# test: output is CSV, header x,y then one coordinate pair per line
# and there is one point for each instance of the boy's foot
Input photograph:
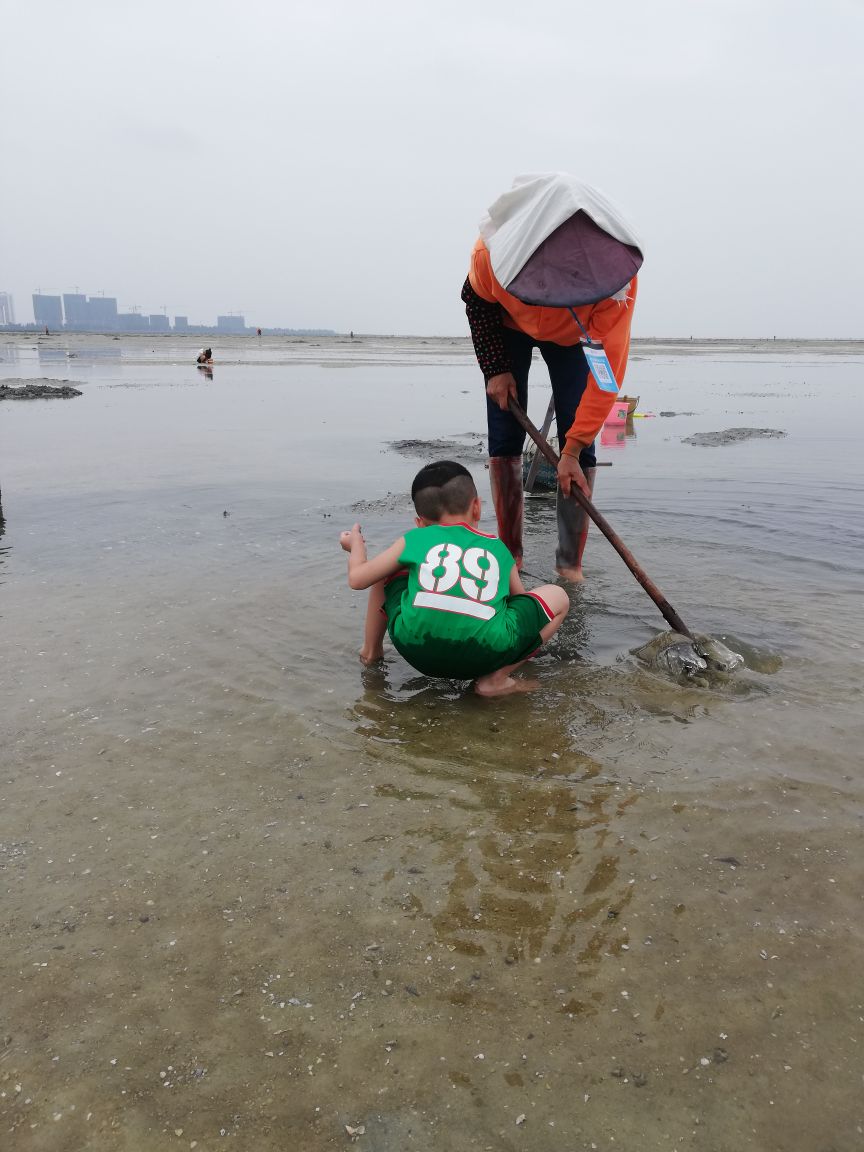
x,y
574,575
502,686
370,656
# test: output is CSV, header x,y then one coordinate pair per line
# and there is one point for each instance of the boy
x,y
450,596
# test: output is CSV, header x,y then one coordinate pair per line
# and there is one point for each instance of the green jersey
x,y
450,612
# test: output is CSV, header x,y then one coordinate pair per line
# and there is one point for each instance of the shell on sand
x,y
676,653
719,657
671,652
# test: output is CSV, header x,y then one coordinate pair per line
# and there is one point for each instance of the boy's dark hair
x,y
442,488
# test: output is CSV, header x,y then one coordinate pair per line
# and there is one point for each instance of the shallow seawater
x,y
254,893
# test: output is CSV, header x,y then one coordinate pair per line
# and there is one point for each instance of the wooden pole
x,y
666,610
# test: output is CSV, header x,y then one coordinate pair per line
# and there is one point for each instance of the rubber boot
x,y
505,477
572,531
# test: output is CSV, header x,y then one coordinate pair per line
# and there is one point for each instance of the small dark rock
x,y
37,392
731,436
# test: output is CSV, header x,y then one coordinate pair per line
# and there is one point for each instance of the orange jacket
x,y
608,322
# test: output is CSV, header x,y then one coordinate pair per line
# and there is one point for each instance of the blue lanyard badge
x,y
600,367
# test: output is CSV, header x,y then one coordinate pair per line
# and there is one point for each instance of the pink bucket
x,y
618,415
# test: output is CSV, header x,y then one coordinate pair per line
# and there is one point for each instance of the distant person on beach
x,y
505,331
450,596
205,356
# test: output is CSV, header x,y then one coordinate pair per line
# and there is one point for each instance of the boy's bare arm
x,y
517,588
362,572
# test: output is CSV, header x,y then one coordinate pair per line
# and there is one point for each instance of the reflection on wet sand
x,y
526,844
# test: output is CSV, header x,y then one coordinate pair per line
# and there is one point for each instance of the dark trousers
x,y
568,371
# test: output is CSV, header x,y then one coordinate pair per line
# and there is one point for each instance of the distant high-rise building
x,y
102,313
133,322
181,323
159,323
75,309
231,323
7,308
47,311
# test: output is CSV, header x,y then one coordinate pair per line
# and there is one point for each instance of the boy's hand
x,y
347,539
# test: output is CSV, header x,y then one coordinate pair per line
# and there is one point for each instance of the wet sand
x,y
254,894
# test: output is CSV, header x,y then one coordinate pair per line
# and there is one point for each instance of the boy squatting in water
x,y
450,596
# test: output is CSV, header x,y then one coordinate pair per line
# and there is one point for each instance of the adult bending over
x,y
552,239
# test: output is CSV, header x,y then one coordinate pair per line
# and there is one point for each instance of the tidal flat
x,y
255,896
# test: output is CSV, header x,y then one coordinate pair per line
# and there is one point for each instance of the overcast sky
x,y
327,163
